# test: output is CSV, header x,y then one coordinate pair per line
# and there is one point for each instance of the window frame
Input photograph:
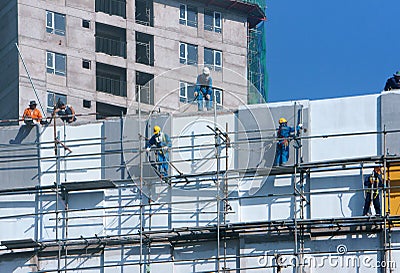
x,y
52,27
184,20
53,68
186,86
49,93
185,59
214,66
214,27
221,92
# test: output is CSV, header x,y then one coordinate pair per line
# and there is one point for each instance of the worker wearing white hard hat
x,y
203,90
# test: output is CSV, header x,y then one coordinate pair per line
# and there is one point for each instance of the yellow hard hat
x,y
157,129
377,169
282,120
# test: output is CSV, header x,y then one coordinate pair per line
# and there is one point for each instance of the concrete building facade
x,y
97,55
100,207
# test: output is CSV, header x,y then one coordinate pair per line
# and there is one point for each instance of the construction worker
x,y
161,143
393,82
203,90
282,149
66,112
32,115
373,182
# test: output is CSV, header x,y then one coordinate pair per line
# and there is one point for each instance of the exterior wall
x,y
79,44
96,155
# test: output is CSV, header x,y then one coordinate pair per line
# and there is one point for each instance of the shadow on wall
x,y
23,133
273,194
350,201
11,263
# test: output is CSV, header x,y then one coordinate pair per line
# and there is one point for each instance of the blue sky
x,y
322,49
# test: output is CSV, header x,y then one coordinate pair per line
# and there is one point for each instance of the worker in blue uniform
x,y
203,90
373,182
393,82
283,135
161,142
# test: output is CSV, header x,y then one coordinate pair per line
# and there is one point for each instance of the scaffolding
x,y
220,231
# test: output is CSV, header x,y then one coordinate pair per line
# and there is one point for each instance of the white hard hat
x,y
206,71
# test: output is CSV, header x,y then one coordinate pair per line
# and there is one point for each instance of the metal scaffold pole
x,y
295,190
141,206
218,199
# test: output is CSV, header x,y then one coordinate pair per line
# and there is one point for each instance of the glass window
x,y
186,92
212,21
213,59
56,63
218,96
53,98
188,54
55,23
188,15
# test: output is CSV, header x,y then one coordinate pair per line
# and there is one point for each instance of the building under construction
x,y
100,55
85,197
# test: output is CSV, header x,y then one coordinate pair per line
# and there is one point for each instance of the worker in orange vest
x,y
32,115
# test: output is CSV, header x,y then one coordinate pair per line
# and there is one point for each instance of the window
x,y
87,104
56,63
86,64
111,79
85,23
187,54
187,15
186,92
144,12
111,7
55,23
213,59
110,40
104,110
52,100
145,87
212,21
218,96
144,48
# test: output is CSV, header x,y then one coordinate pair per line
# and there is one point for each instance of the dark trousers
x,y
375,199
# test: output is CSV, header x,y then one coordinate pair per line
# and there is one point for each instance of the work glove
x,y
300,126
148,149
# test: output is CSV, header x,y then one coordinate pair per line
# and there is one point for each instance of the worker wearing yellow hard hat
x,y
284,133
160,143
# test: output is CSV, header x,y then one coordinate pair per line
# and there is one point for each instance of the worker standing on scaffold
x,y
161,143
373,182
282,149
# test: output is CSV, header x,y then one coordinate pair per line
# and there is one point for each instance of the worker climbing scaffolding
x,y
160,142
284,134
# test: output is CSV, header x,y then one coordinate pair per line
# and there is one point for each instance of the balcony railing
x,y
111,86
110,46
112,7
